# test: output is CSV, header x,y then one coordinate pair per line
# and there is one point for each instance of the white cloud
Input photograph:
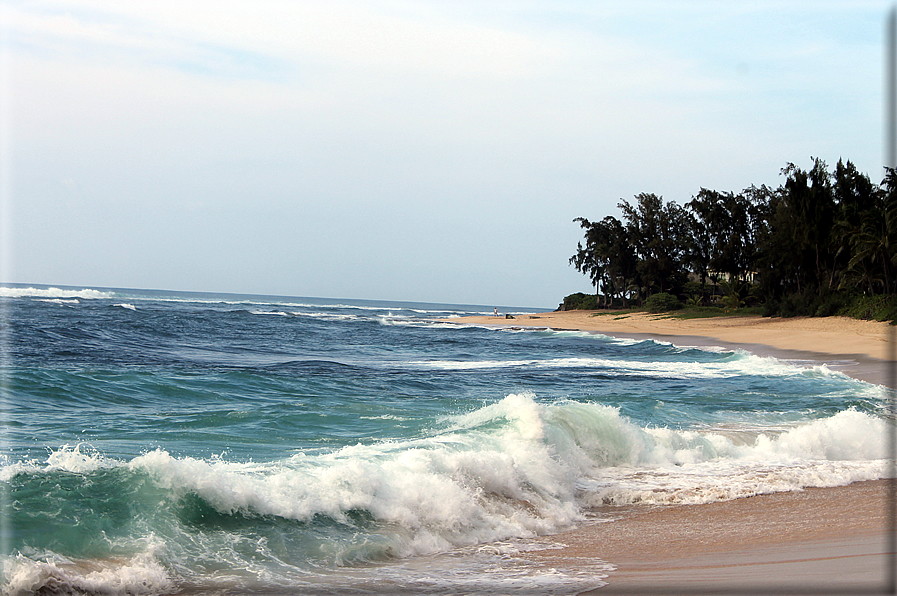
x,y
374,38
373,117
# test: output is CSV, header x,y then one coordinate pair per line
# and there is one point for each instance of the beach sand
x,y
839,540
817,541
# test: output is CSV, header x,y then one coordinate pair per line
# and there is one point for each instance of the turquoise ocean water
x,y
164,443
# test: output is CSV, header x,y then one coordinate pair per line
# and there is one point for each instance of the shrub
x,y
580,301
793,305
692,287
829,304
771,308
662,302
878,308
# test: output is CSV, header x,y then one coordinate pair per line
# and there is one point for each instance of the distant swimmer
x,y
496,311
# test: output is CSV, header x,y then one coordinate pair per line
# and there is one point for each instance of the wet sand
x,y
816,541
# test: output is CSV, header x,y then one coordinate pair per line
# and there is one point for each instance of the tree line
x,y
822,241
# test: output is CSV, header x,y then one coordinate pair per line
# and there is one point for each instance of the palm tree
x,y
874,244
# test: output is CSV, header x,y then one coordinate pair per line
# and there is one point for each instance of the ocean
x,y
181,443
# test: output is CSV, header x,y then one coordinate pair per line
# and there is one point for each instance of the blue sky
x,y
429,151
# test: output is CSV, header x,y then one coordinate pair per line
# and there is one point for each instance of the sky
x,y
401,150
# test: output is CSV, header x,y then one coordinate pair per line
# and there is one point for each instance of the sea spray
x,y
489,477
139,575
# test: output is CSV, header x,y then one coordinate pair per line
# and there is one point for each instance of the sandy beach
x,y
817,541
837,540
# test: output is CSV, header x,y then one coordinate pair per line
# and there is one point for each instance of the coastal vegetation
x,y
822,243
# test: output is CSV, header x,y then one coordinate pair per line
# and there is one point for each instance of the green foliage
x,y
692,288
660,234
695,293
793,305
706,312
694,300
804,248
725,234
737,293
580,301
608,258
662,302
821,304
828,304
876,308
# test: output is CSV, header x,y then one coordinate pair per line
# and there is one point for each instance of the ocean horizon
x,y
13,290
164,442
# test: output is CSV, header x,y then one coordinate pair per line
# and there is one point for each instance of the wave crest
x,y
141,574
7,292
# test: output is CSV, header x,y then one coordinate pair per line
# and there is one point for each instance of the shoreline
x,y
860,349
837,540
815,541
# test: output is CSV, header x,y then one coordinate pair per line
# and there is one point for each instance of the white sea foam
x,y
496,568
471,364
443,492
712,349
386,417
326,316
141,574
720,481
77,459
734,367
668,466
319,307
311,308
126,306
7,292
744,362
511,468
397,321
516,468
521,468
